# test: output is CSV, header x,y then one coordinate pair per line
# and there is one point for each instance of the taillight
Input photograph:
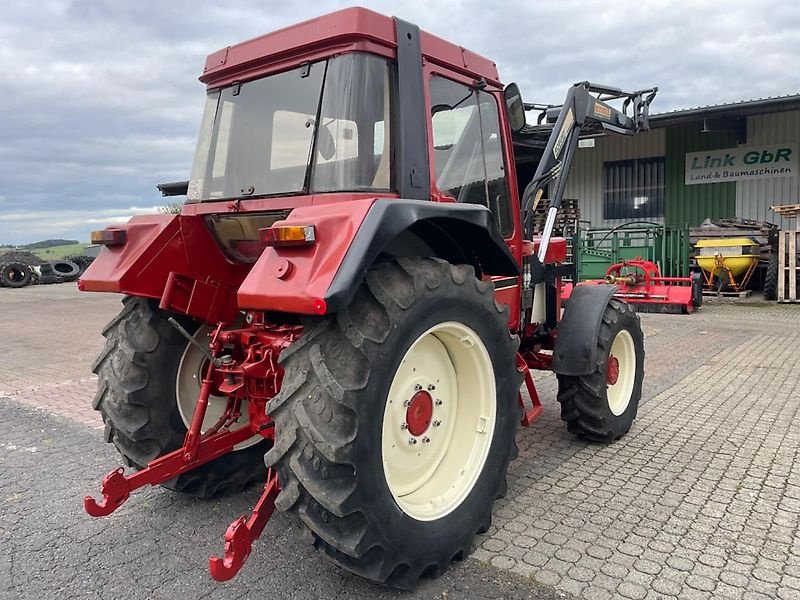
x,y
110,236
288,235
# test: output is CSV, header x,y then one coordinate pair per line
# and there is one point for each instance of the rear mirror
x,y
326,146
514,107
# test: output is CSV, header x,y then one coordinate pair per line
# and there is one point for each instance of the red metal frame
x,y
243,532
528,360
251,371
348,30
116,487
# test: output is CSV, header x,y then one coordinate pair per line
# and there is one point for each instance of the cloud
x,y
101,100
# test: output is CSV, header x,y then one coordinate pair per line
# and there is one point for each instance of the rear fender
x,y
153,247
575,350
171,258
352,235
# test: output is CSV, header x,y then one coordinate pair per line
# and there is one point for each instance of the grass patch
x,y
59,252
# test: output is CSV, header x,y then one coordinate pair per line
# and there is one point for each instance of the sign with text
x,y
746,162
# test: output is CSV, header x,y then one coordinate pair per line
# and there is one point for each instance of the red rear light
x,y
110,236
288,235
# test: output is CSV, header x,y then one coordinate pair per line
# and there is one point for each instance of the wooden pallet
x,y
568,214
788,266
787,211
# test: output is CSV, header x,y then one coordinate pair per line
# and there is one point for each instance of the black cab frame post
x,y
411,132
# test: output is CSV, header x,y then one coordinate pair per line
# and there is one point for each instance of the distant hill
x,y
48,244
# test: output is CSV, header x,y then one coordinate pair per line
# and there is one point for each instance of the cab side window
x,y
468,155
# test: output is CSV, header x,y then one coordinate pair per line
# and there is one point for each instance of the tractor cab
x,y
353,104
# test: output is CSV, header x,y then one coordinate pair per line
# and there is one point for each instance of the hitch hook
x,y
115,489
243,532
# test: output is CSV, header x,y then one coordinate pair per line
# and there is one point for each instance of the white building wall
x,y
753,198
586,177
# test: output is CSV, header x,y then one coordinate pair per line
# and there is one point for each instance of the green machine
x,y
594,250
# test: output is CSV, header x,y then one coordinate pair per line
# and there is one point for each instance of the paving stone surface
x,y
702,497
51,334
700,500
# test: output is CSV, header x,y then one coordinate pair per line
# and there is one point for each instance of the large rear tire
x,y
396,421
601,406
147,375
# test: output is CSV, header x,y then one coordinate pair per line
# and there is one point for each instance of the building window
x,y
634,189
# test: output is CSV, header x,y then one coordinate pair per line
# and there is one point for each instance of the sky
x,y
101,101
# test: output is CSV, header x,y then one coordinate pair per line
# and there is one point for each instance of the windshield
x,y
317,128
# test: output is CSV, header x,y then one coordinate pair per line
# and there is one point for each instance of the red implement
x,y
640,284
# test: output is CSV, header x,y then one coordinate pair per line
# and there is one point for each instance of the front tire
x,y
393,483
601,406
142,380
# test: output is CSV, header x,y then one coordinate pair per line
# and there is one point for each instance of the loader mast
x,y
585,110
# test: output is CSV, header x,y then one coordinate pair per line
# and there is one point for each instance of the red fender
x,y
296,278
172,258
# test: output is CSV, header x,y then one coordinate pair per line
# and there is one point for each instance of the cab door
x,y
469,164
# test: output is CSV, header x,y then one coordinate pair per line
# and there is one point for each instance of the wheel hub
x,y
420,413
621,372
438,421
613,370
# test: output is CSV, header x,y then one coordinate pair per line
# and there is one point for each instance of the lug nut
x,y
404,426
438,402
407,403
431,387
417,388
437,423
412,441
426,440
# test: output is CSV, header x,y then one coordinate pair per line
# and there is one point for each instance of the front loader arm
x,y
585,109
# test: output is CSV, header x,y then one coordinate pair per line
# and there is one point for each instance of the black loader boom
x,y
585,111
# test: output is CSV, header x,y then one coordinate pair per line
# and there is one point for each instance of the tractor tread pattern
x,y
316,421
584,406
771,279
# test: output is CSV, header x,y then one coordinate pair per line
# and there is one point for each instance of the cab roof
x,y
348,30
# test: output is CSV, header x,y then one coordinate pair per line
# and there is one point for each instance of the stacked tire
x,y
60,271
66,269
15,275
82,261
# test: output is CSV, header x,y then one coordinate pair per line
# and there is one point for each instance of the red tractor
x,y
353,294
